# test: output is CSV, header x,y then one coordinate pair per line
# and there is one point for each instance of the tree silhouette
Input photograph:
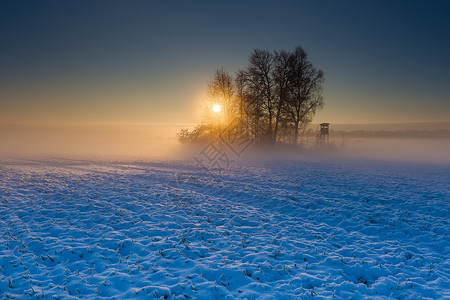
x,y
306,90
271,98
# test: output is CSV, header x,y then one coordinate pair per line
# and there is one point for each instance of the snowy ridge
x,y
274,230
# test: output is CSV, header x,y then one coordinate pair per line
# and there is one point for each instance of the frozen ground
x,y
280,230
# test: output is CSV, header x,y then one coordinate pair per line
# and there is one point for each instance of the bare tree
x,y
261,86
282,82
221,91
306,93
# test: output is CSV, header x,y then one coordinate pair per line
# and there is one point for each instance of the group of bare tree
x,y
272,98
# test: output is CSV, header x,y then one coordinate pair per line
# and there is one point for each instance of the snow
x,y
295,229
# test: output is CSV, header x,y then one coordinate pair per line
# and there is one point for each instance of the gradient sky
x,y
149,62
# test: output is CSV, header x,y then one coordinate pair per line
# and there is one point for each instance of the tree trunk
x,y
296,133
297,122
277,120
270,126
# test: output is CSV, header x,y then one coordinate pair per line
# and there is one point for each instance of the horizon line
x,y
195,123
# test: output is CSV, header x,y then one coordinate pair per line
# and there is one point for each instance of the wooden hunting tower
x,y
323,136
324,128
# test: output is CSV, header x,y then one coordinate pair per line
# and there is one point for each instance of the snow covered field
x,y
273,230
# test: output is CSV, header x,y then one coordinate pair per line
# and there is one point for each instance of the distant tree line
x,y
272,99
436,133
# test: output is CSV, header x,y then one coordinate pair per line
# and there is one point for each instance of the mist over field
x,y
159,141
90,141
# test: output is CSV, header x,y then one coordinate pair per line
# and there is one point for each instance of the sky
x,y
131,62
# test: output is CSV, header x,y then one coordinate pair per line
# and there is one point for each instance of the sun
x,y
216,107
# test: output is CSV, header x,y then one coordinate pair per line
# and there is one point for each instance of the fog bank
x,y
159,141
90,141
